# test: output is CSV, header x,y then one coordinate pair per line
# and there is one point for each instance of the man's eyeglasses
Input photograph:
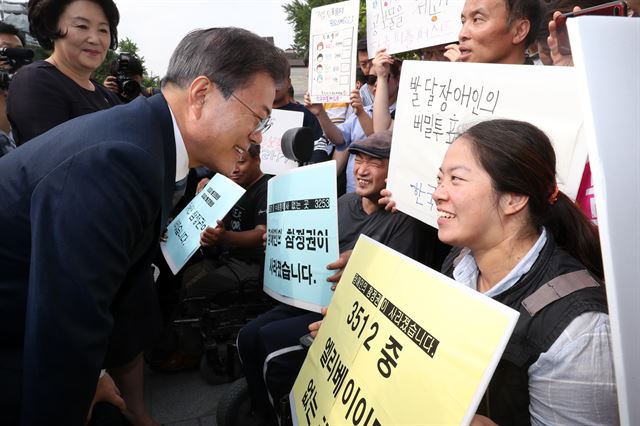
x,y
264,124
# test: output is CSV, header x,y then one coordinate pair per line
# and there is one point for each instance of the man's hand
x,y
452,52
338,266
212,236
316,109
106,391
381,63
557,57
386,201
356,101
203,182
479,420
314,327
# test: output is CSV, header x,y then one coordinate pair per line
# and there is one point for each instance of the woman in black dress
x,y
47,93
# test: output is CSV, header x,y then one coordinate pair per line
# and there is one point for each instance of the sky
x,y
157,26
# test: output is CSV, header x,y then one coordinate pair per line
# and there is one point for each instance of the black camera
x,y
128,87
12,58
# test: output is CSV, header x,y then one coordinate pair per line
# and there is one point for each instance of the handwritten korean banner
x,y
209,206
272,159
332,51
402,25
438,99
302,235
401,344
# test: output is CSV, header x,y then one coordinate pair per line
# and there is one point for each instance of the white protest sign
x,y
607,63
273,161
210,205
437,99
332,51
402,25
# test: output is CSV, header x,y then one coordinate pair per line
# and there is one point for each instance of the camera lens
x,y
131,88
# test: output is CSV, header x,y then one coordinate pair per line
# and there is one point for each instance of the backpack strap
x,y
558,288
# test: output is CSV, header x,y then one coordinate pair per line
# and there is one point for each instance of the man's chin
x,y
361,191
368,194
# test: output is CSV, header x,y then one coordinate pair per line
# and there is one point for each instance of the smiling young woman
x,y
518,236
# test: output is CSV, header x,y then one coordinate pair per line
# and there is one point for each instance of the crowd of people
x,y
91,173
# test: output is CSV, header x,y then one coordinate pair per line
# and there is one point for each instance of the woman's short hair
x,y
44,16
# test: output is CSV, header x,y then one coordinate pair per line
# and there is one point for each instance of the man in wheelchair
x,y
229,265
269,346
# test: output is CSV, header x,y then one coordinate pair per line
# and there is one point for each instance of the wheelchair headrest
x,y
297,144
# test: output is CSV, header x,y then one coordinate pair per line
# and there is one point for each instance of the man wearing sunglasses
x,y
366,90
82,209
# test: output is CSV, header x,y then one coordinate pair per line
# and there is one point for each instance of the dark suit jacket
x,y
81,210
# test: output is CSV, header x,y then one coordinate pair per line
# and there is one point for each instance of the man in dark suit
x,y
81,210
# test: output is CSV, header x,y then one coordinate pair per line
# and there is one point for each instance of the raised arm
x,y
381,66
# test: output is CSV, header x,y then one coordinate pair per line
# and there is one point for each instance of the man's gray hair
x,y
229,57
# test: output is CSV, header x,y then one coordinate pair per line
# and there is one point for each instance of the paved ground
x,y
182,399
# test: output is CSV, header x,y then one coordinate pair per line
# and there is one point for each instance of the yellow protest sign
x,y
401,345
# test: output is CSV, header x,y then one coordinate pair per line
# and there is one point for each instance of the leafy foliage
x,y
299,15
126,45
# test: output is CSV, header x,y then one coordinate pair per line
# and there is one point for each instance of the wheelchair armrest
x,y
306,340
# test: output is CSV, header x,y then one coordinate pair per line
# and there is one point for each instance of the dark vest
x,y
553,293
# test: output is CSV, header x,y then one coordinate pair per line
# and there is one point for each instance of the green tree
x,y
299,15
103,70
126,45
